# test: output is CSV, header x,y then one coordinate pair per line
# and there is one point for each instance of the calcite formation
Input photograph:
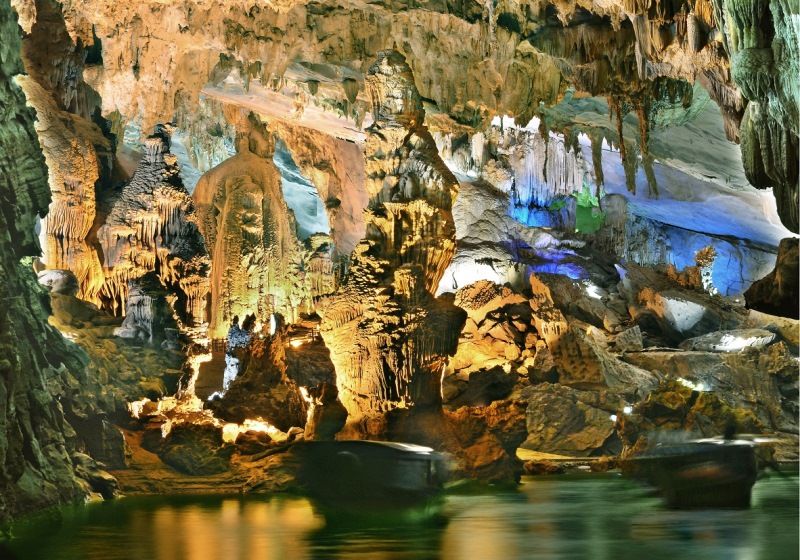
x,y
778,292
389,338
260,266
484,60
77,154
150,227
263,389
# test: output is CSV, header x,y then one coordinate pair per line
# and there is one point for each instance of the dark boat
x,y
700,473
371,476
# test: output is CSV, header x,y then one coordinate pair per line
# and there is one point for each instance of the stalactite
x,y
643,112
693,38
597,161
652,185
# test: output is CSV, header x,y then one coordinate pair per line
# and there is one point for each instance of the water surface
x,y
577,517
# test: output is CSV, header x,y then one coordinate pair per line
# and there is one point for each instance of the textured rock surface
x,y
259,264
751,379
571,422
76,153
573,193
46,476
150,227
389,338
778,293
40,372
263,390
482,62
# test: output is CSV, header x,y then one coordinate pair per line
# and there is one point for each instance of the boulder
x,y
673,410
728,341
99,480
483,297
262,388
580,299
629,340
582,357
660,305
777,292
762,380
196,449
570,422
486,440
59,282
328,414
485,387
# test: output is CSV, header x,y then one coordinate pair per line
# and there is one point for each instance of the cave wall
x,y
35,440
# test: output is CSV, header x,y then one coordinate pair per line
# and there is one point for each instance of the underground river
x,y
564,517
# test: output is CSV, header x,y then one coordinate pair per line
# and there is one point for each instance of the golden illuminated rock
x,y
250,233
150,227
77,154
389,338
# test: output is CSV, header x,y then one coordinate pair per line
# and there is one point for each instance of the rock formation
x,y
577,291
150,227
44,475
777,293
259,265
45,382
517,56
262,390
77,154
389,338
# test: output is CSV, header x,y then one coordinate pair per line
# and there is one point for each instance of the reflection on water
x,y
596,517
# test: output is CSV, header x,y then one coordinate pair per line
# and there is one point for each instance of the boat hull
x,y
699,475
368,476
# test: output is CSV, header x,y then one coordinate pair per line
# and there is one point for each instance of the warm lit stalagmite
x,y
250,234
77,154
389,338
150,227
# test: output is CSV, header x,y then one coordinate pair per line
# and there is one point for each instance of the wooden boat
x,y
700,473
371,476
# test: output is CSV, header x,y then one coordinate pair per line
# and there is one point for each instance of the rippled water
x,y
587,516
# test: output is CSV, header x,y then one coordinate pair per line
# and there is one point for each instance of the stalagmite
x,y
389,338
150,227
258,263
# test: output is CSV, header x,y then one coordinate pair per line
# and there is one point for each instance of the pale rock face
x,y
59,281
336,168
678,313
729,341
77,154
